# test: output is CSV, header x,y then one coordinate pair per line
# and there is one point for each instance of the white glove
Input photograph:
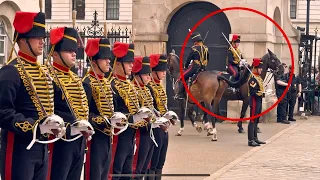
x,y
117,120
144,114
53,122
243,62
82,126
172,117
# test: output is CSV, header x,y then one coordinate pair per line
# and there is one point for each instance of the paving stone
x,y
293,155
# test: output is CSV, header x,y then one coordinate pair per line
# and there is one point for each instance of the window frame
x,y
5,45
82,14
114,12
293,9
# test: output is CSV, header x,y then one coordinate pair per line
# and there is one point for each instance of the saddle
x,y
225,75
194,78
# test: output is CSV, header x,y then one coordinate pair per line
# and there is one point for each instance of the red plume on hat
x,y
137,64
256,62
92,47
120,49
154,60
56,35
23,21
235,37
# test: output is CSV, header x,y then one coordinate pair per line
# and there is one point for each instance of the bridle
x,y
272,72
172,77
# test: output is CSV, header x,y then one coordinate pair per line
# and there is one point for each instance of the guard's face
x,y
259,70
128,67
146,78
235,44
36,44
161,74
104,65
69,57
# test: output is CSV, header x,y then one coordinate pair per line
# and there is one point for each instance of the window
x,y
3,44
293,9
79,5
48,4
113,9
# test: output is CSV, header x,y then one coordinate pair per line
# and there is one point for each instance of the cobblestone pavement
x,y
195,153
292,154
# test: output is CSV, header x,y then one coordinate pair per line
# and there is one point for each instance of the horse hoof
x,y
178,134
199,129
241,130
214,138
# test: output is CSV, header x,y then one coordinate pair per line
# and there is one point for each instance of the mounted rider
x,y
197,61
233,61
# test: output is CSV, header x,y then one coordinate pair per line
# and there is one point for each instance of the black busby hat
x,y
123,52
64,39
141,65
29,25
196,37
98,48
235,38
158,62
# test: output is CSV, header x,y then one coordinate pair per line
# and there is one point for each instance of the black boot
x,y
259,142
158,171
180,93
253,143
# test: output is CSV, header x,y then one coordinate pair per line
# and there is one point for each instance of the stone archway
x,y
277,18
277,33
7,14
211,31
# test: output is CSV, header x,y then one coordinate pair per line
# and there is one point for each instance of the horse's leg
x,y
192,114
216,101
181,116
245,105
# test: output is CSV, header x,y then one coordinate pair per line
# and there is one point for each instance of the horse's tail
x,y
231,83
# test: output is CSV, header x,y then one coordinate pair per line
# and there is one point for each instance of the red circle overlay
x,y
185,43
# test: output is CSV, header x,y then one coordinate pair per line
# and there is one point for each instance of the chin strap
x,y
30,48
62,60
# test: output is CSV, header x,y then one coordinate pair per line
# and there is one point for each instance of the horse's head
x,y
270,60
173,65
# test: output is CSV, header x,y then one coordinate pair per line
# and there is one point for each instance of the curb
x,y
251,152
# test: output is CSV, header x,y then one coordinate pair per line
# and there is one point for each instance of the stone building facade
x,y
7,12
168,21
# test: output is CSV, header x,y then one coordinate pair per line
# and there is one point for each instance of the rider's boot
x,y
180,93
232,78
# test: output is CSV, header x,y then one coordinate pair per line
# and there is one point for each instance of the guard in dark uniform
x,y
98,156
233,60
158,64
71,103
127,102
141,71
26,103
256,92
292,94
196,61
280,85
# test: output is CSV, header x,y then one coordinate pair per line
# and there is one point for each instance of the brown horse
x,y
211,86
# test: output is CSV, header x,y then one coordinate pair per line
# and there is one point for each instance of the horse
x,y
208,87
